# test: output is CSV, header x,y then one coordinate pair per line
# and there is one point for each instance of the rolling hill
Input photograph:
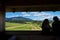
x,y
18,19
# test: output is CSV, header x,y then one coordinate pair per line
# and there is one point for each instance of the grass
x,y
19,26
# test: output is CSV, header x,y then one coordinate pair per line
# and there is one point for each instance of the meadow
x,y
24,26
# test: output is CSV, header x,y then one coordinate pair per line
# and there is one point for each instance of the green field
x,y
24,26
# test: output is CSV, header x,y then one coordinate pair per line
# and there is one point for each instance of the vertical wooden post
x,y
2,18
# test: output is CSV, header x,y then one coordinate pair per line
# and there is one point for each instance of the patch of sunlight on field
x,y
19,26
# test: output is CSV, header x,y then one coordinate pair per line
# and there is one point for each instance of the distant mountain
x,y
8,19
18,19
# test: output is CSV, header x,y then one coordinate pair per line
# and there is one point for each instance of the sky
x,y
34,15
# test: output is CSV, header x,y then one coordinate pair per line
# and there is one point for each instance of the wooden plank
x,y
31,2
34,8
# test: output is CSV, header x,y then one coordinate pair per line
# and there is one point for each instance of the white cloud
x,y
12,16
15,16
41,15
35,13
47,15
39,18
59,16
25,14
38,14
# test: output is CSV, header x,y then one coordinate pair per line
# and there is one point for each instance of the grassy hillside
x,y
20,26
34,25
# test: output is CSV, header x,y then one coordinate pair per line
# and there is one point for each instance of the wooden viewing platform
x,y
27,5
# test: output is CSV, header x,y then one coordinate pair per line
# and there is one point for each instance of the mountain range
x,y
18,19
21,19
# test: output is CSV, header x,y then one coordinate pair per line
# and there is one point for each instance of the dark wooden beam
x,y
31,2
34,8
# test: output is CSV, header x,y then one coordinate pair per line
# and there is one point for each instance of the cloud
x,y
34,15
38,19
25,14
41,15
59,16
38,15
14,15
